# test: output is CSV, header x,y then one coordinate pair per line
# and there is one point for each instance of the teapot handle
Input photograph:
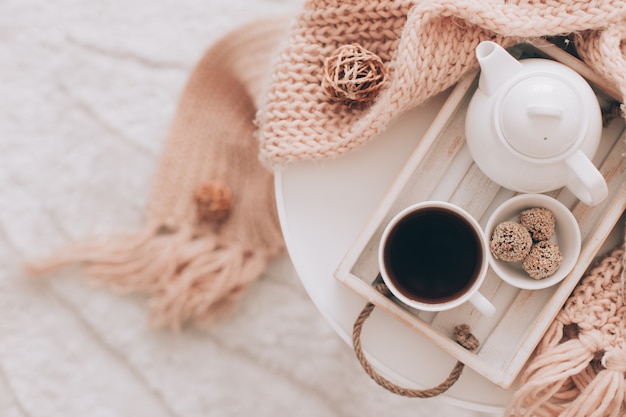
x,y
588,184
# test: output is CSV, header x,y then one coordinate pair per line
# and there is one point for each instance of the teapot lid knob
x,y
541,116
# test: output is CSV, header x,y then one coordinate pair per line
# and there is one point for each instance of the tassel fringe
x,y
603,397
187,278
570,380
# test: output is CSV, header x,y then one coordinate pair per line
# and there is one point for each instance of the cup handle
x,y
588,184
482,304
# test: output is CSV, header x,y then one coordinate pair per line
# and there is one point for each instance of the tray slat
x,y
440,168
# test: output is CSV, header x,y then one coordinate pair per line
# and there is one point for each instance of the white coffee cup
x,y
433,257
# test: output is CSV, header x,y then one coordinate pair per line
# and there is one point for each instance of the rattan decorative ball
x,y
539,221
510,242
353,74
214,201
543,260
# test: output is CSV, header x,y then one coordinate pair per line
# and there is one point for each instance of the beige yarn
x,y
579,368
427,46
194,262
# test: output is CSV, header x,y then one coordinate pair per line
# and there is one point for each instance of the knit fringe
x,y
603,397
547,376
566,380
187,277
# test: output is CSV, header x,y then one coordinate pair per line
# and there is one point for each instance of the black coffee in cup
x,y
433,255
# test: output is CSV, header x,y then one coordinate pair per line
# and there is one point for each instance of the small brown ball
x,y
539,221
510,242
214,201
543,260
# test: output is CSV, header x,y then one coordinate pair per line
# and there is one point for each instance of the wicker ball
x,y
543,260
510,242
539,221
353,74
214,201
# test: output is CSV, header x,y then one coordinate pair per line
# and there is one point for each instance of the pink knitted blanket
x,y
425,46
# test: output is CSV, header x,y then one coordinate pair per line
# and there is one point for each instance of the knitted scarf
x,y
426,46
210,222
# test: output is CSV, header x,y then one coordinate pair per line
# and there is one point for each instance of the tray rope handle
x,y
462,335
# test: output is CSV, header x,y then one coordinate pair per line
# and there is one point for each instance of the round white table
x,y
322,206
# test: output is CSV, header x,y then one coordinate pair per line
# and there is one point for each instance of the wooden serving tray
x,y
441,168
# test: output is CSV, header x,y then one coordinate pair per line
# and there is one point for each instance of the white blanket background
x,y
87,91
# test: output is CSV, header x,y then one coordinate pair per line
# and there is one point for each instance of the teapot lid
x,y
541,116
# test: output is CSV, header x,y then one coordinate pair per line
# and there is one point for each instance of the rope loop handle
x,y
462,335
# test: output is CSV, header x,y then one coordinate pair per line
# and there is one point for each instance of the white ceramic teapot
x,y
534,125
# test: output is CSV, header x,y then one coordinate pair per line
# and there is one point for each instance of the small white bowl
x,y
566,235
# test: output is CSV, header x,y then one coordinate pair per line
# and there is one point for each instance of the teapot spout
x,y
496,66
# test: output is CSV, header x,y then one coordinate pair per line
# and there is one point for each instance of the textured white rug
x,y
87,91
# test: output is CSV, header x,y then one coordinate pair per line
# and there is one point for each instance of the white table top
x,y
323,205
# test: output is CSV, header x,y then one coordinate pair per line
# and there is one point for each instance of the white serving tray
x,y
441,168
